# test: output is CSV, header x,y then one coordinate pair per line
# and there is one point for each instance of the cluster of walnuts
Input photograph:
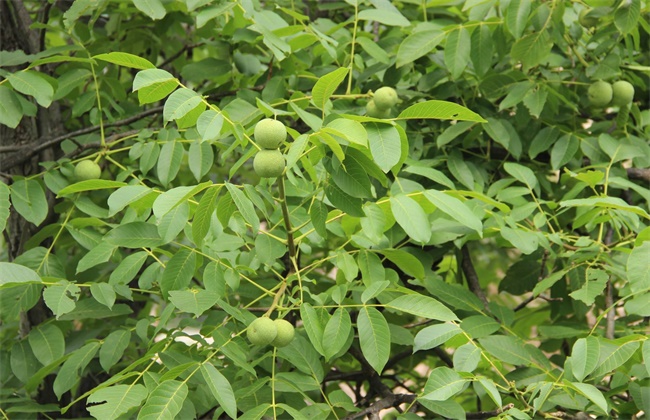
x,y
269,135
602,94
264,330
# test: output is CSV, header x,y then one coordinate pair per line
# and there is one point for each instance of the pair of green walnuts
x,y
602,94
382,101
263,331
269,162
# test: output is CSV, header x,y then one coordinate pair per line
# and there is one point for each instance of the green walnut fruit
x,y
622,93
587,19
285,335
270,134
374,112
87,169
600,93
385,98
262,331
269,163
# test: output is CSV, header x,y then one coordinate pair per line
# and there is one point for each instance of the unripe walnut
x,y
600,93
269,163
262,331
374,112
270,134
385,98
285,335
622,93
87,169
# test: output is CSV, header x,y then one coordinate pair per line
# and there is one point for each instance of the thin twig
x,y
488,414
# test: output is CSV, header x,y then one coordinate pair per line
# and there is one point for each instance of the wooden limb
x,y
488,414
472,277
392,400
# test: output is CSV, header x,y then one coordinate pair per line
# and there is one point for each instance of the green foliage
x,y
480,245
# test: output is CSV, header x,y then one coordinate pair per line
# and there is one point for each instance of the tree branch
x,y
471,276
26,151
392,400
488,414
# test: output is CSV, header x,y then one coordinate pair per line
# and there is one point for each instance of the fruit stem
x,y
287,221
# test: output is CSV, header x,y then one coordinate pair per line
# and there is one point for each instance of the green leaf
x,y
269,249
517,17
318,216
638,269
527,242
443,383
613,353
508,349
180,103
491,390
220,388
417,45
456,209
385,144
152,8
405,261
423,306
592,393
151,77
374,337
113,348
605,202
31,83
245,206
128,268
22,360
195,300
313,326
28,198
336,332
103,293
434,335
11,111
467,357
584,357
73,367
134,235
483,50
110,403
124,196
327,85
169,161
593,286
91,309
60,298
457,51
563,150
532,49
99,254
627,16
646,355
203,214
13,274
126,60
384,16
411,217
522,173
351,178
168,200
178,271
440,110
209,124
165,401
47,343
90,185
344,202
